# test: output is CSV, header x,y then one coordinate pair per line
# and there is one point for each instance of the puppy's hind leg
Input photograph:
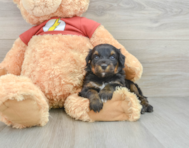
x,y
146,107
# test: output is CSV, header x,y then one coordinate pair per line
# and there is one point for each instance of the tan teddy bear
x,y
45,67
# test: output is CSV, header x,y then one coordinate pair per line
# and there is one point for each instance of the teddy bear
x,y
46,65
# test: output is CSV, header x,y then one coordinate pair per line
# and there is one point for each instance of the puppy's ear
x,y
88,60
121,60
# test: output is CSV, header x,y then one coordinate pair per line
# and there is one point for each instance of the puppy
x,y
104,69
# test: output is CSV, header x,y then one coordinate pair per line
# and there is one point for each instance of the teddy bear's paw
x,y
22,104
21,114
77,107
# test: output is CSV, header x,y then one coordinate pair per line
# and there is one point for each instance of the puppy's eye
x,y
96,57
112,57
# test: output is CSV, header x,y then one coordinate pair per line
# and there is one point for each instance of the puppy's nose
x,y
104,66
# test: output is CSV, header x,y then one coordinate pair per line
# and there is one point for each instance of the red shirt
x,y
74,26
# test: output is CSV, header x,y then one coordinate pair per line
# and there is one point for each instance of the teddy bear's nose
x,y
41,7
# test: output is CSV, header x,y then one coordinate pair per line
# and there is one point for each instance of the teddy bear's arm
x,y
133,67
12,63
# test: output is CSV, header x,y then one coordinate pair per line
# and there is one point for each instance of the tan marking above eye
x,y
112,52
96,52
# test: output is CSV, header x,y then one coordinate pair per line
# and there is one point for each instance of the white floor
x,y
166,127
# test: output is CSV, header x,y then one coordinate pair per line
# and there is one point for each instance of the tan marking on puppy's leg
x,y
93,84
116,82
143,100
134,89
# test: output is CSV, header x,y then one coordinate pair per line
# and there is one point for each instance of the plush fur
x,y
124,105
61,74
17,89
54,64
14,58
36,12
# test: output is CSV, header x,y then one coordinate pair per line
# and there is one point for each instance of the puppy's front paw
x,y
96,104
105,95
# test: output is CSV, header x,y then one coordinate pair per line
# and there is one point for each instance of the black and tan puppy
x,y
104,68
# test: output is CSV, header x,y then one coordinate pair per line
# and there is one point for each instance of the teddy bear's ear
x,y
16,1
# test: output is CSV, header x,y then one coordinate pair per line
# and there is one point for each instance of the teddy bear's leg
x,y
77,107
124,106
22,104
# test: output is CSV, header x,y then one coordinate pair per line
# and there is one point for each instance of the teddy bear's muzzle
x,y
41,7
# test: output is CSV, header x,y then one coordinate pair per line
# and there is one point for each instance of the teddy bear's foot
x,y
124,106
22,104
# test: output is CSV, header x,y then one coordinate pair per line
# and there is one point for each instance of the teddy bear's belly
x,y
56,64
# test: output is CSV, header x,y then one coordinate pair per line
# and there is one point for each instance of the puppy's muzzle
x,y
104,66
